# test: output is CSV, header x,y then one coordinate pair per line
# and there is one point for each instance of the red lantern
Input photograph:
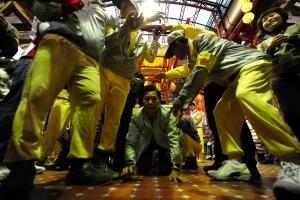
x,y
200,107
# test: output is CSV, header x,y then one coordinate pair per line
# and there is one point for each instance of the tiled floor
x,y
50,186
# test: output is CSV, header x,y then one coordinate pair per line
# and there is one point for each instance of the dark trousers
x,y
212,94
119,158
145,163
288,94
10,103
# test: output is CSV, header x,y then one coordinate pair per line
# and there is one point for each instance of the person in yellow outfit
x,y
190,142
212,94
73,37
118,64
248,93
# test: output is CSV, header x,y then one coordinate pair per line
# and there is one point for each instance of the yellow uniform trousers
x,y
58,122
57,63
250,96
190,148
201,156
114,91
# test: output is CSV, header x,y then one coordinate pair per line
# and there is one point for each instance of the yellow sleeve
x,y
179,72
190,31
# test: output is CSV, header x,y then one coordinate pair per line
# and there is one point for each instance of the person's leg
x,y
212,94
255,98
164,161
50,71
117,94
288,101
144,163
229,129
85,99
58,118
119,158
9,105
115,100
249,149
190,149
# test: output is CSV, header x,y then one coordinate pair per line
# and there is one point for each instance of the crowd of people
x,y
78,82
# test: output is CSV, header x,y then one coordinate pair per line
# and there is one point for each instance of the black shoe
x,y
215,166
104,167
190,164
19,183
102,160
87,174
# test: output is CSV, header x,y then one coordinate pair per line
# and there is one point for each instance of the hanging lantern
x,y
199,98
248,17
247,7
200,107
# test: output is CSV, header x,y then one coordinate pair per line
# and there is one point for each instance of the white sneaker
x,y
231,170
39,169
4,172
288,181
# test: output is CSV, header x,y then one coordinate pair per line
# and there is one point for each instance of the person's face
x,y
151,103
181,50
126,8
271,21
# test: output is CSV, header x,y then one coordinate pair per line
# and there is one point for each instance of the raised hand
x,y
156,16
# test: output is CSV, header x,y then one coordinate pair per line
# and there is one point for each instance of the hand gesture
x,y
176,177
128,170
277,41
157,32
161,75
178,105
156,16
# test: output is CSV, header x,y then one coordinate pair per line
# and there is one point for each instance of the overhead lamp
x,y
247,7
248,17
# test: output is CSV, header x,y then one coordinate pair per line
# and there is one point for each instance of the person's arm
x,y
122,32
149,54
131,141
190,31
173,138
179,72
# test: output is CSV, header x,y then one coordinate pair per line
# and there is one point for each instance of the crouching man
x,y
153,128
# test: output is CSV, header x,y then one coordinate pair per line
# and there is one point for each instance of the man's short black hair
x,y
280,11
151,88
